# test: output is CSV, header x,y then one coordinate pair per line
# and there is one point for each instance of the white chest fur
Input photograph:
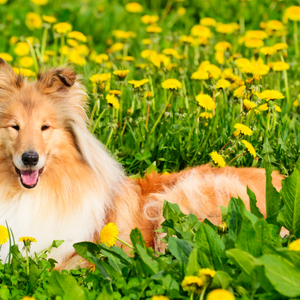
x,y
38,215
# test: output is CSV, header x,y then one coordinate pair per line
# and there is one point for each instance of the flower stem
x,y
27,261
193,127
62,39
296,38
158,119
125,243
268,125
235,158
98,120
147,118
36,66
44,41
286,83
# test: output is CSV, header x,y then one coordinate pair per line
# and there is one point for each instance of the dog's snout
x,y
30,158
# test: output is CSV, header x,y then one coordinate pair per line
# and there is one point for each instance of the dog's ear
x,y
8,79
56,80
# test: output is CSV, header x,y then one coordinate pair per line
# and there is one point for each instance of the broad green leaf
x,y
180,249
136,238
253,204
289,215
272,197
86,250
62,284
172,211
242,259
106,293
208,242
247,239
283,275
221,280
234,217
119,253
193,266
148,261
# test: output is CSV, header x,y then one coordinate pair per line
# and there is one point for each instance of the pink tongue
x,y
29,177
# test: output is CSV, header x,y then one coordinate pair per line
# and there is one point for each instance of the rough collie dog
x,y
58,182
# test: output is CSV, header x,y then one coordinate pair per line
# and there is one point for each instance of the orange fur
x,y
81,187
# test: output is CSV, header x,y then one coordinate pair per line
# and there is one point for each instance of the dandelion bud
x,y
249,81
222,228
257,77
236,133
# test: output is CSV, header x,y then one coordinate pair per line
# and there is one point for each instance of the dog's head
x,y
36,121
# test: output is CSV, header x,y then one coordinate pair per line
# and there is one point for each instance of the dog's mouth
x,y
29,178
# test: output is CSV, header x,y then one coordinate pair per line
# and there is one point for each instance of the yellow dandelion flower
x,y
260,69
72,43
27,240
101,58
267,50
205,101
6,57
293,13
148,94
138,83
49,19
98,78
146,19
160,298
219,294
121,74
192,283
200,75
214,71
134,7
275,25
153,29
248,104
13,40
146,41
62,28
201,31
28,298
253,43
4,236
122,34
223,84
222,46
24,72
249,147
26,62
115,92
242,62
243,129
208,22
33,21
206,115
76,58
116,47
171,84
295,245
240,92
256,34
170,52
207,272
141,66
263,107
295,103
181,11
218,159
277,108
270,95
79,36
280,46
39,2
280,66
159,59
3,1
109,232
227,28
186,39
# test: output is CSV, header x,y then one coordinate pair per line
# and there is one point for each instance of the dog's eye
x,y
45,127
16,127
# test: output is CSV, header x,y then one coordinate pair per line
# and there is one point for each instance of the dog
x,y
57,181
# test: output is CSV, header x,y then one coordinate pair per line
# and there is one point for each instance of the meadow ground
x,y
173,84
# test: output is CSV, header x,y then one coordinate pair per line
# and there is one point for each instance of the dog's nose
x,y
30,158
